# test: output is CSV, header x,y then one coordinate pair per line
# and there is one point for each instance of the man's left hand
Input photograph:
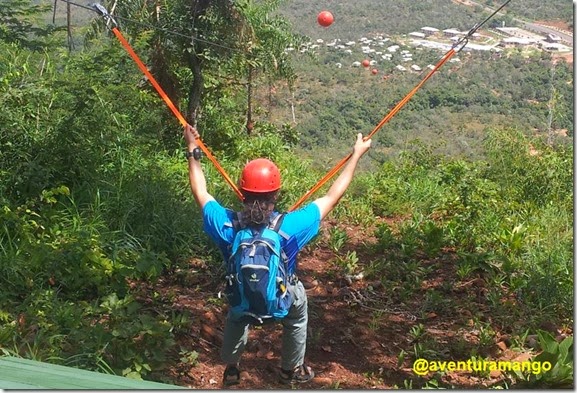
x,y
190,136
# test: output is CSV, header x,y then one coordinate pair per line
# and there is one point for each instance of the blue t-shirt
x,y
303,224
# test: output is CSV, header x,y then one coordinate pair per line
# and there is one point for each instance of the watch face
x,y
196,154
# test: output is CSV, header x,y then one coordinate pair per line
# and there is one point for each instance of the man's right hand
x,y
336,191
361,146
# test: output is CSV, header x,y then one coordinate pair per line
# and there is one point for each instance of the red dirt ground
x,y
355,335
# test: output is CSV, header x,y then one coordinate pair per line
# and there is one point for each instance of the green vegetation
x,y
94,197
332,99
559,355
452,112
498,215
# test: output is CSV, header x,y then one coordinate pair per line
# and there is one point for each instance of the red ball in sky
x,y
366,63
325,18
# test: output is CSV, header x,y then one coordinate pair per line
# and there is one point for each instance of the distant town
x,y
380,48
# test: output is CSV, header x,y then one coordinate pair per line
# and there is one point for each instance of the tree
x,y
19,24
265,53
188,39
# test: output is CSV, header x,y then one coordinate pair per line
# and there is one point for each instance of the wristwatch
x,y
196,153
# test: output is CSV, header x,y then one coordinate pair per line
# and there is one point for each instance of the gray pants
x,y
294,337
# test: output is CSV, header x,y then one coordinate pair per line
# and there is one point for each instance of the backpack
x,y
257,278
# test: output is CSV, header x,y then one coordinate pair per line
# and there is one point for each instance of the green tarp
x,y
16,373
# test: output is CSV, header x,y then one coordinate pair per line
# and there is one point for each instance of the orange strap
x,y
393,111
173,108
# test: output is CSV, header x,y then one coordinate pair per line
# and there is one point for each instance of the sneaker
x,y
231,375
300,374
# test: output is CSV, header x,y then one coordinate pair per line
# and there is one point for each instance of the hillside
x,y
356,18
454,242
332,99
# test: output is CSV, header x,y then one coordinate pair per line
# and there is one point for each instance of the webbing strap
x,y
276,223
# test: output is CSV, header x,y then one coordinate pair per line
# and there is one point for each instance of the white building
x,y
516,42
555,47
429,30
452,32
417,34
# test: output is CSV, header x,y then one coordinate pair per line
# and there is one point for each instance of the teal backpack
x,y
259,273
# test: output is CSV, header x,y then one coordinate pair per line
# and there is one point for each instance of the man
x,y
260,183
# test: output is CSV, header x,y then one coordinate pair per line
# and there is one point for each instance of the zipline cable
x,y
101,10
397,107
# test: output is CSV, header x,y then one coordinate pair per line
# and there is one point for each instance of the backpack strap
x,y
276,223
235,223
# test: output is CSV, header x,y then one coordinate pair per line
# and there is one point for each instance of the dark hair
x,y
257,207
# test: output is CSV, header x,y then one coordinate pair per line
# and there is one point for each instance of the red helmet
x,y
260,175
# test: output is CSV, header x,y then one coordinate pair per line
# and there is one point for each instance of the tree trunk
x,y
69,28
195,90
249,123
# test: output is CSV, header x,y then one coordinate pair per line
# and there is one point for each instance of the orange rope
x,y
173,108
393,111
